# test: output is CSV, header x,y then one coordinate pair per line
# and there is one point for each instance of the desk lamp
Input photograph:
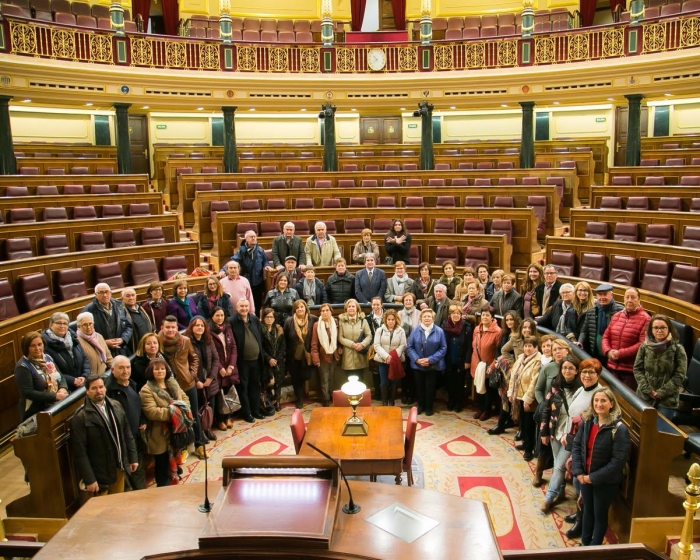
x,y
354,389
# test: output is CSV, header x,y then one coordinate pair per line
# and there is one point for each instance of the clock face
x,y
376,59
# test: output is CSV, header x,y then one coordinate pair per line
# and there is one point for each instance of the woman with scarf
x,y
39,382
473,302
462,289
208,371
181,306
160,390
409,318
482,274
389,345
225,345
62,345
496,280
427,347
148,349
660,366
583,301
93,344
366,245
458,334
354,336
521,393
487,336
449,279
397,242
274,349
535,276
281,298
298,330
555,427
325,351
214,296
155,305
425,284
599,455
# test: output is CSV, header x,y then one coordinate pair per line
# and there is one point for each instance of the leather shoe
x,y
211,436
520,447
249,419
477,414
222,426
258,416
571,518
421,410
528,456
546,506
496,430
428,412
508,423
518,436
267,412
484,415
458,409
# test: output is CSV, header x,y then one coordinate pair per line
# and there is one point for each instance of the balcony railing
x,y
26,37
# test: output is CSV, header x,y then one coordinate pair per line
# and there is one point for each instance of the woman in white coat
x,y
389,344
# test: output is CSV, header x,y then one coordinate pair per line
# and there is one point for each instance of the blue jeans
x,y
383,374
596,503
557,484
194,405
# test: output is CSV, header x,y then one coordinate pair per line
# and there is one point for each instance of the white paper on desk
x,y
403,522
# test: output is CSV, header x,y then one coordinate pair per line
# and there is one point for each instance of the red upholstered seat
x,y
657,275
503,227
413,225
152,236
474,256
459,182
654,181
8,305
16,191
670,204
596,230
369,184
99,189
55,244
270,229
170,266
218,206
342,184
446,253
381,225
390,183
659,234
73,189
465,165
506,182
539,203
92,241
243,227
70,283
84,213
301,227
386,202
303,203
414,202
685,283
110,274
593,266
445,202
79,170
54,214
414,182
276,204
357,202
474,227
626,231
35,291
434,182
623,270
126,188
331,203
144,272
482,182
47,190
254,185
354,225
21,216
531,180
691,237
250,204
298,428
277,184
415,255
18,248
622,180
637,203
564,262
444,225
123,238
475,201
112,211
611,203
503,202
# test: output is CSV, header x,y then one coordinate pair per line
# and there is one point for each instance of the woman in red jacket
x,y
623,337
487,335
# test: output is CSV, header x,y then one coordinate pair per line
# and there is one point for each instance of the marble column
x,y
8,165
634,129
527,135
123,142
230,151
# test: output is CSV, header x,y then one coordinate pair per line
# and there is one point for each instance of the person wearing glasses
x,y
155,305
660,366
547,292
111,320
93,344
62,345
583,301
561,316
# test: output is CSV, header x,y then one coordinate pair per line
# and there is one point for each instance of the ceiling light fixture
x,y
88,104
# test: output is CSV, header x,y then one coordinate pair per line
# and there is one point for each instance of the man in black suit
x,y
370,281
288,245
547,292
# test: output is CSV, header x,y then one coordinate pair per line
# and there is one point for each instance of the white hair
x,y
320,224
84,315
289,224
566,286
247,233
119,359
58,315
101,286
440,286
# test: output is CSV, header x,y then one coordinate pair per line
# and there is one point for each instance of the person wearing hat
x,y
597,320
287,245
291,269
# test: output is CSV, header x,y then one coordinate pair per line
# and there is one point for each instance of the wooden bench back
x,y
33,181
654,194
672,175
66,163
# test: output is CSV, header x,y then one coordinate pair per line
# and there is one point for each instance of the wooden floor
x,y
12,485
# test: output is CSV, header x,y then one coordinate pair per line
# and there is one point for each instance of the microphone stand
x,y
351,507
206,506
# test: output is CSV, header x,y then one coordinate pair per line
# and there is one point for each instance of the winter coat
x,y
553,295
663,372
348,334
461,344
359,252
451,286
589,331
33,394
178,311
228,354
290,336
326,256
93,448
551,319
485,345
280,250
610,452
626,333
318,354
155,315
278,351
94,359
155,402
205,309
433,347
552,410
238,329
252,267
340,288
141,323
208,366
182,359
131,406
544,380
409,287
513,348
502,302
281,303
432,303
118,325
320,295
138,369
385,341
398,252
526,374
71,364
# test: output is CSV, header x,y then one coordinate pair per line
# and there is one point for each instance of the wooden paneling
x,y
665,153
32,181
31,148
524,225
657,142
66,164
672,175
654,194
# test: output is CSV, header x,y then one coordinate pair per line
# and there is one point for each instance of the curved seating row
x,y
676,198
49,214
66,166
52,185
658,176
659,234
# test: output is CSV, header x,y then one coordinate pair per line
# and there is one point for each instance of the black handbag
x,y
495,378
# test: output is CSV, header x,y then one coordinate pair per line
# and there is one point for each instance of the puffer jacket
x,y
349,334
609,455
589,331
340,288
385,341
523,377
433,347
662,372
626,333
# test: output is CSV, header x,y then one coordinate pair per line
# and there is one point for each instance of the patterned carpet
x,y
453,454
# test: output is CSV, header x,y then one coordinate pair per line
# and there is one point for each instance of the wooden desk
x,y
379,452
165,520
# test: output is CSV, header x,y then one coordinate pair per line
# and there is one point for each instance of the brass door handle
x,y
145,153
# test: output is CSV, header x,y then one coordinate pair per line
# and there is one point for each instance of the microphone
x,y
206,506
351,507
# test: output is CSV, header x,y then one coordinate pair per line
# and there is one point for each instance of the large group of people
x,y
472,333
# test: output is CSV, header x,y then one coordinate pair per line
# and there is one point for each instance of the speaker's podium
x,y
278,507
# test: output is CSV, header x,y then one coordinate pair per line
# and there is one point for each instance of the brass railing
x,y
46,40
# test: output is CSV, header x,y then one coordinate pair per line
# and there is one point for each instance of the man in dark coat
x,y
139,318
288,245
290,269
597,320
248,336
121,388
111,320
548,291
340,285
62,345
439,303
101,442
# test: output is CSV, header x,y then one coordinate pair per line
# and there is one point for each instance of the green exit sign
x,y
413,125
161,126
600,119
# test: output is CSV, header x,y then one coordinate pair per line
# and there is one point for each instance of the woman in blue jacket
x,y
599,454
427,347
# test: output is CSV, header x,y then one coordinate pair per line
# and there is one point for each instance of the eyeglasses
x,y
61,323
664,328
86,324
588,373
568,368
549,273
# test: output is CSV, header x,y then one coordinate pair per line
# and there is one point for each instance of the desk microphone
x,y
206,506
351,507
